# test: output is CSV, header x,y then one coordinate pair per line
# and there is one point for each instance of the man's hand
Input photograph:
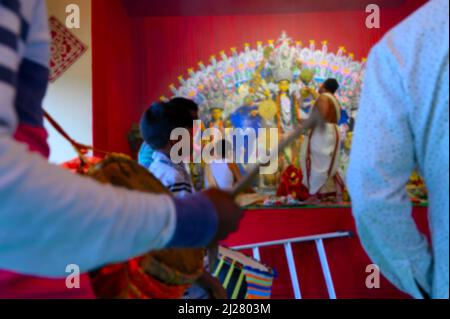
x,y
213,286
217,291
313,92
229,214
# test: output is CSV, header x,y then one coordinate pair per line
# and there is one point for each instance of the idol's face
x,y
294,179
284,86
216,114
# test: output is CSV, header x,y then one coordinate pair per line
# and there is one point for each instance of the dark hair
x,y
186,103
331,85
161,119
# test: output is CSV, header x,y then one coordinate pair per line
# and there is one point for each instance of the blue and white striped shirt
x,y
174,177
24,52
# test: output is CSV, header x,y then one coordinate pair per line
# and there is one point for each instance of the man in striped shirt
x,y
50,218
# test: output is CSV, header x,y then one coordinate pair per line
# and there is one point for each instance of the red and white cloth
x,y
66,49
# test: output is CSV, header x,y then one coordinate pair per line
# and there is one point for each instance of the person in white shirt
x,y
157,124
403,125
222,173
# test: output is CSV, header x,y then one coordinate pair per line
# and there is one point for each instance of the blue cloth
x,y
145,155
402,125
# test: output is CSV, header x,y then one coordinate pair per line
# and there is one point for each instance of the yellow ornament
x,y
304,92
268,52
348,141
267,109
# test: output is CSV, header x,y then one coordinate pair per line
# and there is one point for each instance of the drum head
x,y
120,170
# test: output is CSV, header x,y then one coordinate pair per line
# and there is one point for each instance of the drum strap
x,y
79,148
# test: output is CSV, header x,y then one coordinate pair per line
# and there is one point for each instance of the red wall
x,y
135,59
114,75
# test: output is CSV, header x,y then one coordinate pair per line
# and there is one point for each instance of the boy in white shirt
x,y
157,124
222,173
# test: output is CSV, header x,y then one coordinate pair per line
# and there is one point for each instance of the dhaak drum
x,y
164,274
243,277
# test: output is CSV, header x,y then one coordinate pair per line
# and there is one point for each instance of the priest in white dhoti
x,y
321,147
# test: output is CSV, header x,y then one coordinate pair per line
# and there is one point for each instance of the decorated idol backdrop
x,y
136,54
269,86
136,60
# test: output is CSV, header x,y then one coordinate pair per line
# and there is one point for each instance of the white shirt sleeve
x,y
50,218
382,160
178,184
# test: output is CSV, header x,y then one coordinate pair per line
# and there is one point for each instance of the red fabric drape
x,y
346,257
115,76
135,59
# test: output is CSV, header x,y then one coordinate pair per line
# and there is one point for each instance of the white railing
x,y
287,244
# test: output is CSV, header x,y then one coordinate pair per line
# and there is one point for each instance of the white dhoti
x,y
320,160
